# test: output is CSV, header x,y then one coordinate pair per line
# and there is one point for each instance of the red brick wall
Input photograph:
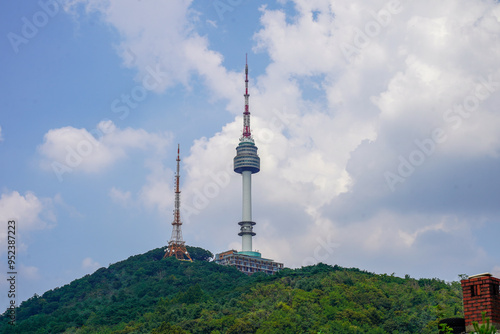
x,y
481,294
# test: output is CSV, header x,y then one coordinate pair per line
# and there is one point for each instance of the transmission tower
x,y
176,245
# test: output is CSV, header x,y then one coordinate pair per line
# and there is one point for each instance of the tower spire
x,y
176,245
246,114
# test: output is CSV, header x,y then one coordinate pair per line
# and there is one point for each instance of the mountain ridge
x,y
148,294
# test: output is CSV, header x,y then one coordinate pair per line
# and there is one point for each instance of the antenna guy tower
x,y
176,246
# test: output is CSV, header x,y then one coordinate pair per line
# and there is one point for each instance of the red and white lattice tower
x,y
176,245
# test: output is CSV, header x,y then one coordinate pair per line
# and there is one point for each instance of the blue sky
x,y
377,126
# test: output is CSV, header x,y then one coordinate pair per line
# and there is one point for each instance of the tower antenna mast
x,y
246,114
176,245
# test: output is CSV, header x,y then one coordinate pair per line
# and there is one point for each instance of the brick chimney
x,y
481,293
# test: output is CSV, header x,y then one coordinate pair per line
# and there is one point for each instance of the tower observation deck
x,y
246,163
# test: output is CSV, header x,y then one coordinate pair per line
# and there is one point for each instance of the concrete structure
x,y
481,293
176,246
246,163
248,263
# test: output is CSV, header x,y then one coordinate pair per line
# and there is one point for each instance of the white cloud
x,y
322,167
409,241
158,192
29,272
89,265
67,149
121,197
71,210
165,47
29,212
328,124
212,23
410,93
1,137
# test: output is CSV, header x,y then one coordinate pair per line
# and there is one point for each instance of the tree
x,y
486,327
199,254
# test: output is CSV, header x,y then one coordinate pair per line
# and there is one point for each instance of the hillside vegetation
x,y
148,294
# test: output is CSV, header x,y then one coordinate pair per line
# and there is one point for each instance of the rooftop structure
x,y
247,263
481,293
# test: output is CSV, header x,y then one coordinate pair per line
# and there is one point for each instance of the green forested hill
x,y
148,294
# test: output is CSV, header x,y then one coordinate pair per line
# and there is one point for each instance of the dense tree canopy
x,y
149,294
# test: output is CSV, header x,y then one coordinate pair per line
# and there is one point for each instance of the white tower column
x,y
247,195
246,239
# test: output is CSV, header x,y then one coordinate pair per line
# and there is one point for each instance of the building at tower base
x,y
248,262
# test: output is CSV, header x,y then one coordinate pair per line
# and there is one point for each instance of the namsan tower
x,y
176,245
246,163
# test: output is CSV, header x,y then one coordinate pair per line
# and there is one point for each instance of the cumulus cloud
x,y
89,265
121,197
29,272
29,212
164,48
384,89
1,137
158,192
353,90
67,149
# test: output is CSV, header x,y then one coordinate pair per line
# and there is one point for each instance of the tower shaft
x,y
176,245
246,238
247,196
